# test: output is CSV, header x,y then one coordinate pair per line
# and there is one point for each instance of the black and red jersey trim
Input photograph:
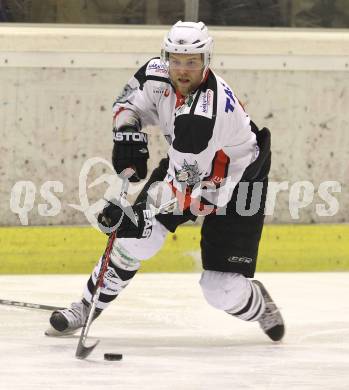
x,y
219,171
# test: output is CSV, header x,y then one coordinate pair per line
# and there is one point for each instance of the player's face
x,y
186,71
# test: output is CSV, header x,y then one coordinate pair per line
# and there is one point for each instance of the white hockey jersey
x,y
208,132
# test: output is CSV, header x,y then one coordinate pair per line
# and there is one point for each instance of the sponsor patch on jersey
x,y
161,91
157,68
204,106
158,90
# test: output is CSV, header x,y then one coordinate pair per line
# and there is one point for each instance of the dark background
x,y
255,13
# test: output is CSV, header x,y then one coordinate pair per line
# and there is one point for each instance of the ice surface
x,y
172,339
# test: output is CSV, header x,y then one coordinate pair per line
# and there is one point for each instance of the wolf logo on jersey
x,y
189,174
126,92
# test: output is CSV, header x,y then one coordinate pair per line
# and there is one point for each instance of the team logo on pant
x,y
240,260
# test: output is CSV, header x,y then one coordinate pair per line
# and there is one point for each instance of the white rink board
x,y
58,84
171,339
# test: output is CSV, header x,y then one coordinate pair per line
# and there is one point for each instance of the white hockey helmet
x,y
188,38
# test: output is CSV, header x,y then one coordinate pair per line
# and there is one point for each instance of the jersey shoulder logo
x,y
157,68
125,94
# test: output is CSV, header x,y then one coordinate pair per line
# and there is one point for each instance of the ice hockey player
x,y
216,158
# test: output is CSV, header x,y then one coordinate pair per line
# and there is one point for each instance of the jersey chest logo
x,y
189,173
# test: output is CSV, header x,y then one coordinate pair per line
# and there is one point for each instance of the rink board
x,y
284,248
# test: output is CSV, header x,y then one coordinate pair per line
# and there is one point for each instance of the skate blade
x,y
51,332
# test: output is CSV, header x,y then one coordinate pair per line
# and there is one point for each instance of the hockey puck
x,y
112,356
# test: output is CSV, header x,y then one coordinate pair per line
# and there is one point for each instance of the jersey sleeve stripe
x,y
220,165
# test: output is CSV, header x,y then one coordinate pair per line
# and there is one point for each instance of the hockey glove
x,y
130,150
130,222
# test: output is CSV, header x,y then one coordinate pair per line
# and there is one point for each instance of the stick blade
x,y
82,351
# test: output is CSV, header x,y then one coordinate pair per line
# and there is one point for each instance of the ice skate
x,y
271,320
68,321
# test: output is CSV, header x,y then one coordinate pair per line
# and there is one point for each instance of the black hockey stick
x,y
28,305
82,350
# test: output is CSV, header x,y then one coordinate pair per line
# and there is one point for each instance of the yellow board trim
x,y
74,250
